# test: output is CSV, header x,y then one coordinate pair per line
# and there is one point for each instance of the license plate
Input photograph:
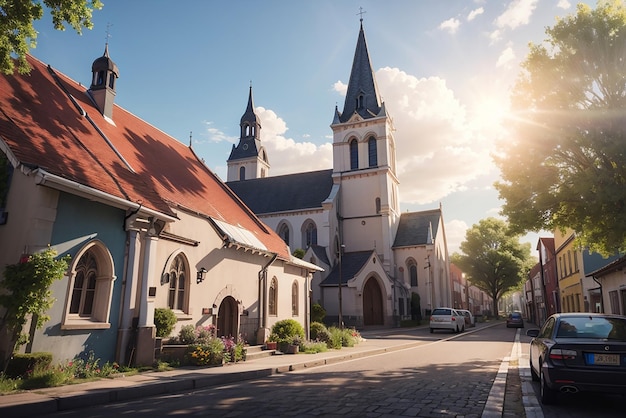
x,y
605,359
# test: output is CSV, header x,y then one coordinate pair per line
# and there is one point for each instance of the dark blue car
x,y
575,352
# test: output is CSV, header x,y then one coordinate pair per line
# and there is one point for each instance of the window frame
x,y
99,315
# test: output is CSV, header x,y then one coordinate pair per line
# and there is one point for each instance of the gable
x,y
417,228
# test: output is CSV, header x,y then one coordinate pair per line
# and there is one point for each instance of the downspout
x,y
601,293
262,293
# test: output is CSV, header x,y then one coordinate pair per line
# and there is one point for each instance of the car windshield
x,y
592,327
442,312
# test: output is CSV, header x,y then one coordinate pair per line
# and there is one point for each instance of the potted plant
x,y
271,343
293,347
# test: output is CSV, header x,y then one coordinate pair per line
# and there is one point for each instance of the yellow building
x,y
569,272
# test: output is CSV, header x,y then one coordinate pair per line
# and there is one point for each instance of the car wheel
x,y
533,373
431,330
463,328
548,396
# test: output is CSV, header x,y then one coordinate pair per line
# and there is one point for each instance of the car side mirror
x,y
532,332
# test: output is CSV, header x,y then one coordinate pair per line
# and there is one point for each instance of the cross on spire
x,y
361,12
108,36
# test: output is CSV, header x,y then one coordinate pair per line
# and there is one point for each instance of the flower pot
x,y
292,349
271,345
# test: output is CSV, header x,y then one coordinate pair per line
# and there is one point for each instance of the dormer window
x,y
99,81
360,101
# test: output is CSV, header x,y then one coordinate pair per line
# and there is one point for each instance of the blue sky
x,y
443,68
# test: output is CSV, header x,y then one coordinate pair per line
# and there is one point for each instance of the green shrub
x,y
347,338
187,334
336,338
164,320
209,354
21,364
313,347
318,328
317,313
286,330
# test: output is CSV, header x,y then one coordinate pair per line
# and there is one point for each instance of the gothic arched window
x,y
179,284
272,297
372,152
294,299
354,154
242,173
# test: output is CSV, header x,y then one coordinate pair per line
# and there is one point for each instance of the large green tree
x,y
18,35
565,165
493,259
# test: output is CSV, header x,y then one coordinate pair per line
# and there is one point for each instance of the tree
x,y
25,291
493,259
18,35
565,166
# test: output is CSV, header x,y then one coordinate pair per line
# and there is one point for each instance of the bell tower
x,y
103,80
364,163
248,159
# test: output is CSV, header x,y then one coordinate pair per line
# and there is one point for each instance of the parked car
x,y
515,320
447,318
575,352
470,321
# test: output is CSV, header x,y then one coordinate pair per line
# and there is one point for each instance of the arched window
x,y
294,299
112,80
360,101
309,237
283,232
179,284
242,173
84,288
412,267
372,152
91,284
272,297
354,154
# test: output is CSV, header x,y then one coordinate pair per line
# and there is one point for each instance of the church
x,y
347,219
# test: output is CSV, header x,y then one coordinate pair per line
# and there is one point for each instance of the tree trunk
x,y
495,309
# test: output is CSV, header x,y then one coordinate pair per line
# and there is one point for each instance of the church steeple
x,y
362,95
104,77
248,158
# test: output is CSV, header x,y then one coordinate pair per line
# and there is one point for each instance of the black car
x,y
575,352
515,320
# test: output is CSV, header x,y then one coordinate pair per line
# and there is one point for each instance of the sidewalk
x,y
124,388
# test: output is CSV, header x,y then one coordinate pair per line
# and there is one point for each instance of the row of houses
x,y
568,278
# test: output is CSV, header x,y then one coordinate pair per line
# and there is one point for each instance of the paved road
x,y
441,377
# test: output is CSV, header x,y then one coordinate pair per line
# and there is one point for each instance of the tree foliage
x,y
493,259
18,35
25,291
565,166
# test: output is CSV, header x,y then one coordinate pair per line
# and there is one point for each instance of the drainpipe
x,y
262,296
601,293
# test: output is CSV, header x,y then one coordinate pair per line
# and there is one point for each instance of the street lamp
x,y
341,247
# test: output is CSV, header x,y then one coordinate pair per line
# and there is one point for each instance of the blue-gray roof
x,y
417,228
351,264
284,193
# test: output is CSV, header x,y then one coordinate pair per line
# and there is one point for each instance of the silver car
x,y
447,318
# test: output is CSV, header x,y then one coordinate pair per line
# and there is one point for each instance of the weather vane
x,y
361,12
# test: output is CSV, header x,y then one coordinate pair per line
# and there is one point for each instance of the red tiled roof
x,y
44,128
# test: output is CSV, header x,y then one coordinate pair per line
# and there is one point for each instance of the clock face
x,y
245,147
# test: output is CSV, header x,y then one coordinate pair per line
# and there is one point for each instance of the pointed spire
x,y
362,94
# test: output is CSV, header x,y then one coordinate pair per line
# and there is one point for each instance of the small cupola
x,y
104,77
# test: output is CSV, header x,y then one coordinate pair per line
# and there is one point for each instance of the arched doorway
x,y
372,303
227,323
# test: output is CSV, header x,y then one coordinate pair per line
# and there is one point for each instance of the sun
x,y
489,113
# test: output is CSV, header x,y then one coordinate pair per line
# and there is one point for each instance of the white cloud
x,y
518,13
340,87
472,15
285,154
451,25
505,58
215,135
455,234
564,4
